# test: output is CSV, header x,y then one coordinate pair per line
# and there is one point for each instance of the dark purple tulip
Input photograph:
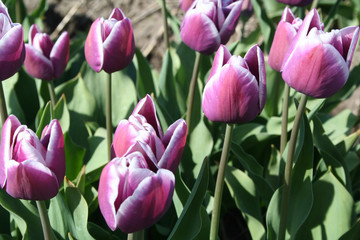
x,y
12,50
110,43
136,187
44,59
31,168
284,35
300,3
235,91
209,23
317,63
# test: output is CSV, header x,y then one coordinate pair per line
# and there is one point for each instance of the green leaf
x,y
345,145
144,82
61,113
12,103
43,118
74,155
332,210
353,233
243,190
190,221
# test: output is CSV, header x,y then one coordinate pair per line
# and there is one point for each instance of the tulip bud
x,y
235,91
209,23
110,43
317,63
136,187
300,3
284,35
30,168
44,59
12,50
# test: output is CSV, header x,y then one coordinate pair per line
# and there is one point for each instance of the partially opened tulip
x,y
317,63
31,168
12,50
44,59
235,91
209,23
300,3
136,187
110,43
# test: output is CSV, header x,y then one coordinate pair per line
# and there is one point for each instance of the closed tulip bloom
x,y
317,63
284,35
209,23
235,91
136,187
30,168
12,50
300,3
110,43
44,59
185,4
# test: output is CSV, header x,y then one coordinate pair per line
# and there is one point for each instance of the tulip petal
x,y
119,47
228,28
125,136
34,29
8,129
315,69
94,52
60,54
31,180
199,32
350,37
174,140
222,56
37,65
148,204
117,14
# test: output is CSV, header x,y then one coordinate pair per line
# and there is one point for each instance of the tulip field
x,y
243,131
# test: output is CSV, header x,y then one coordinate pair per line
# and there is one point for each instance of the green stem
x,y
18,11
52,92
3,110
314,4
192,89
45,223
215,219
139,235
288,167
166,33
108,115
284,120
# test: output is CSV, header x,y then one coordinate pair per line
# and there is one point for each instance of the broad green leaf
x,y
43,118
275,88
345,145
12,103
144,81
190,221
74,155
62,114
181,194
274,170
243,190
99,233
353,233
332,211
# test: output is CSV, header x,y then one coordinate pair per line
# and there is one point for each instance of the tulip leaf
x,y
353,233
43,118
74,155
242,188
332,210
12,102
144,81
99,233
274,90
62,114
190,221
345,145
25,215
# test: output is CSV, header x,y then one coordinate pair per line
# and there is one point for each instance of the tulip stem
x,y
3,109
215,219
288,168
108,116
139,235
284,120
166,33
52,92
192,89
45,223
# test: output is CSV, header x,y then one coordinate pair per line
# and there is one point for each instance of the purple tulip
x,y
44,59
110,43
317,63
12,50
284,35
31,168
185,4
300,3
209,23
235,91
136,187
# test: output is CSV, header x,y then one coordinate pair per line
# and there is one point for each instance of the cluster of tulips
x,y
136,186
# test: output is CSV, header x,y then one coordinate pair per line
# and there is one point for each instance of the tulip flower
x,y
300,3
31,168
185,4
110,43
12,50
235,91
209,23
44,59
317,63
285,33
136,187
